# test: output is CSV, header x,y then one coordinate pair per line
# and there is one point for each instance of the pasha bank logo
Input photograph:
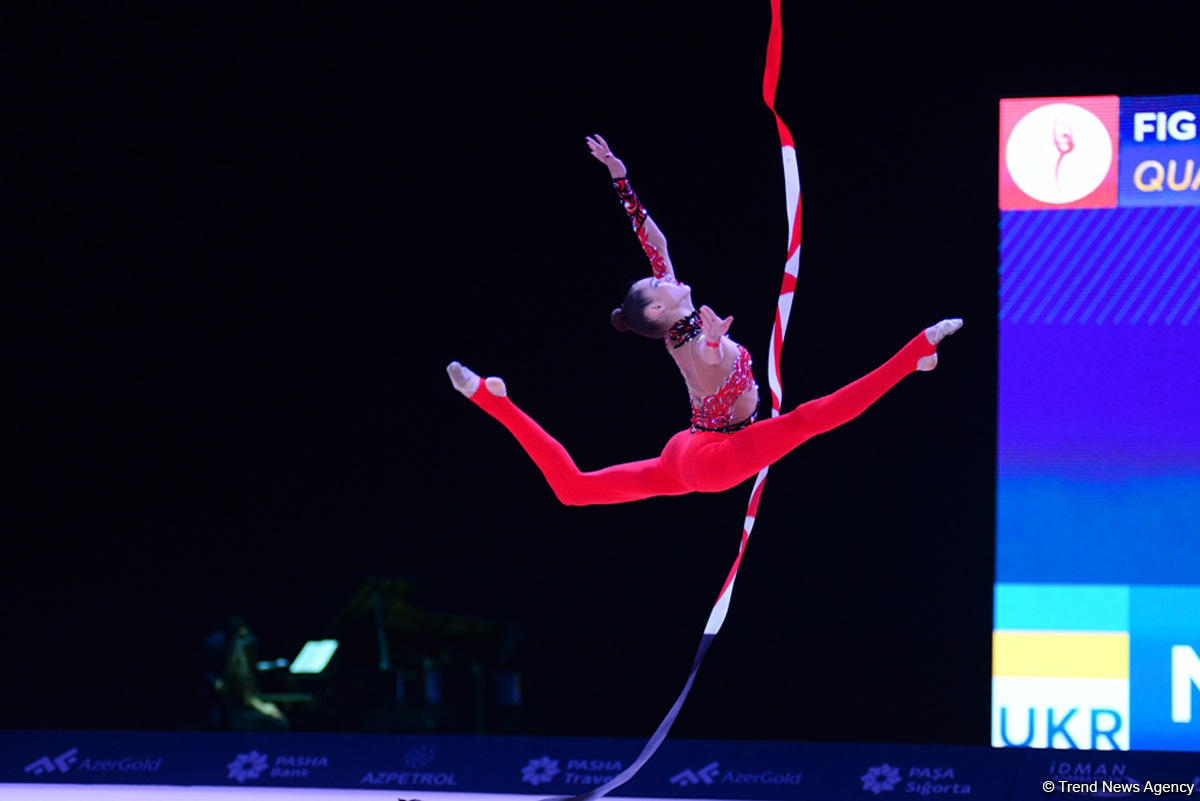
x,y
1058,152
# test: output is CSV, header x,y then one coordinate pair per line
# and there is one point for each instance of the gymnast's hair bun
x,y
618,319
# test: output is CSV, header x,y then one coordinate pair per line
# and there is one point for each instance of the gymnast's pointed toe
x,y
939,331
462,378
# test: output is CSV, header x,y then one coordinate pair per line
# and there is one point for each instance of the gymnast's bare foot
x,y
467,382
935,334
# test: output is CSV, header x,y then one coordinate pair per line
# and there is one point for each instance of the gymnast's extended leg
x,y
620,483
714,463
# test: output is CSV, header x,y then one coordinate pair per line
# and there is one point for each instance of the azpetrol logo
x,y
576,771
1060,666
712,774
415,758
419,756
1160,151
253,764
69,760
920,780
1059,152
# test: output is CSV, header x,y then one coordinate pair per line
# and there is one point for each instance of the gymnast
x,y
724,445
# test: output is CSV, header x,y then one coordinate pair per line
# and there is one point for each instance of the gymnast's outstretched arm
x,y
651,237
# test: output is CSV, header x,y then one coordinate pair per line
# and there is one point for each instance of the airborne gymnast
x,y
724,444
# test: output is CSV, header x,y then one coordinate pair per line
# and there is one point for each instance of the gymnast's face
x,y
667,301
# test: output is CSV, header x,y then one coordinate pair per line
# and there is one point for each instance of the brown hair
x,y
631,316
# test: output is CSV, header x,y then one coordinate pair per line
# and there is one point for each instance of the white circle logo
x,y
1058,153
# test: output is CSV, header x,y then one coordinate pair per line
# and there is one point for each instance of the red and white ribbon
x,y
782,312
783,309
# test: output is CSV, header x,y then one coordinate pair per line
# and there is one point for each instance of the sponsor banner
x,y
826,772
453,767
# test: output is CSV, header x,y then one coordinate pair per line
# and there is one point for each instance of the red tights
x,y
704,461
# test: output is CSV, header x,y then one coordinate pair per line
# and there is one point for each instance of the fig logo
x,y
1058,153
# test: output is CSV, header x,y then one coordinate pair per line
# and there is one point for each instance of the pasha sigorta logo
x,y
1059,153
880,778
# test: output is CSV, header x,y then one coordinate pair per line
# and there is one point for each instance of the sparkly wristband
x,y
629,201
708,344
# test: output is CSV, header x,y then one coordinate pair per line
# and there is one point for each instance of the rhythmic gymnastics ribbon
x,y
783,310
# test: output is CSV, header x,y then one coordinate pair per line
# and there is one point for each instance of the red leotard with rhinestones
x,y
715,411
703,461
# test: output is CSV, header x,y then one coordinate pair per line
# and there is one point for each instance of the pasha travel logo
x,y
576,771
1059,152
539,770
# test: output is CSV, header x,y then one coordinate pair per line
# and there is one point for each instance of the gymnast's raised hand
x,y
724,444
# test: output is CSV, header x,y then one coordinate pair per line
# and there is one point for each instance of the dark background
x,y
245,243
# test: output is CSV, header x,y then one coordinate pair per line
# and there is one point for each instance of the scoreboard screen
x,y
1096,640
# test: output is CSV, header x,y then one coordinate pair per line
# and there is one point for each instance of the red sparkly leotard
x,y
698,460
714,412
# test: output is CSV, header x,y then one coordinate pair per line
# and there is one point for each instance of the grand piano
x,y
398,668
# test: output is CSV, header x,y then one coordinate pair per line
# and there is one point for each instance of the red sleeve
x,y
637,215
657,265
